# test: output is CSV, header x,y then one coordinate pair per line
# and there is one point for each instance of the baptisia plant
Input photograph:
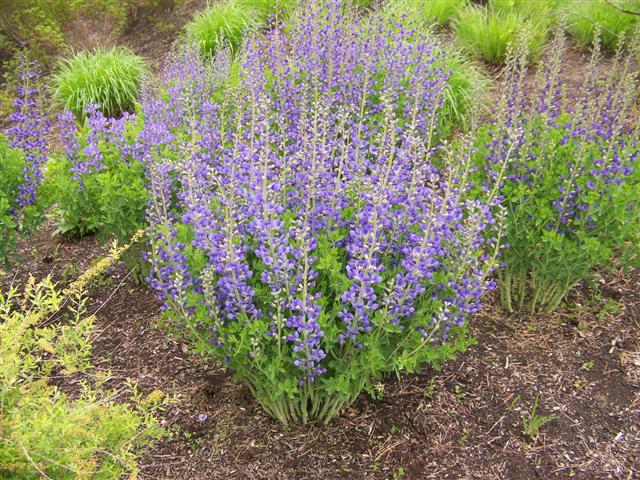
x,y
564,166
99,181
23,153
301,231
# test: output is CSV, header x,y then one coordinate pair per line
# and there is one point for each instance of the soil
x,y
463,422
151,32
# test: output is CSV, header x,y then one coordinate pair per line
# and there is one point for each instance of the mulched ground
x,y
464,422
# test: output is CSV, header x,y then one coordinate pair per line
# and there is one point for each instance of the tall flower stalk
x,y
29,130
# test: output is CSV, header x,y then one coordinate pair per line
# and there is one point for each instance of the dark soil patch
x,y
465,421
152,31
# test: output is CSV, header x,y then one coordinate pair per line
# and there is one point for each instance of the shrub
x,y
98,183
22,156
41,25
47,432
223,24
584,17
567,177
487,32
300,231
110,79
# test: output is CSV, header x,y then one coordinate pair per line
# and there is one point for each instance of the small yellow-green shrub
x,y
45,431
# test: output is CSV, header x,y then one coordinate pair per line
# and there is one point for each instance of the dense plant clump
x,y
607,20
222,25
468,87
487,31
98,181
22,155
467,90
45,432
110,79
436,11
269,10
566,172
12,166
300,230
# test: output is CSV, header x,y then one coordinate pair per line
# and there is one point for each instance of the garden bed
x,y
465,421
536,396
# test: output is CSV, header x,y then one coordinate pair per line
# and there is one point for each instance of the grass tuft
x,y
438,11
110,79
468,88
269,10
584,16
486,32
224,25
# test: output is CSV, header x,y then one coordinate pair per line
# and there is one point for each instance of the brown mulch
x,y
464,422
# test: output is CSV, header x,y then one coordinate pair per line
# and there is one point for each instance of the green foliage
x,y
436,11
585,17
468,88
50,433
14,221
223,24
532,422
568,182
110,79
109,201
363,4
12,162
268,10
486,32
41,24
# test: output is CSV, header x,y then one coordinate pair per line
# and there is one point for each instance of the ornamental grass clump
x,y
565,168
436,11
110,79
269,10
609,21
222,25
487,31
300,231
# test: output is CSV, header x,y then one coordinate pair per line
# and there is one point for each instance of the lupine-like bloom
x,y
29,131
299,224
563,164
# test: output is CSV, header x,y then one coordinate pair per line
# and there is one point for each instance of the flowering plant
x,y
566,174
22,155
300,230
98,181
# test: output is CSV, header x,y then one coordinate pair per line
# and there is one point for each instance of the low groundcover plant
x,y
300,231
